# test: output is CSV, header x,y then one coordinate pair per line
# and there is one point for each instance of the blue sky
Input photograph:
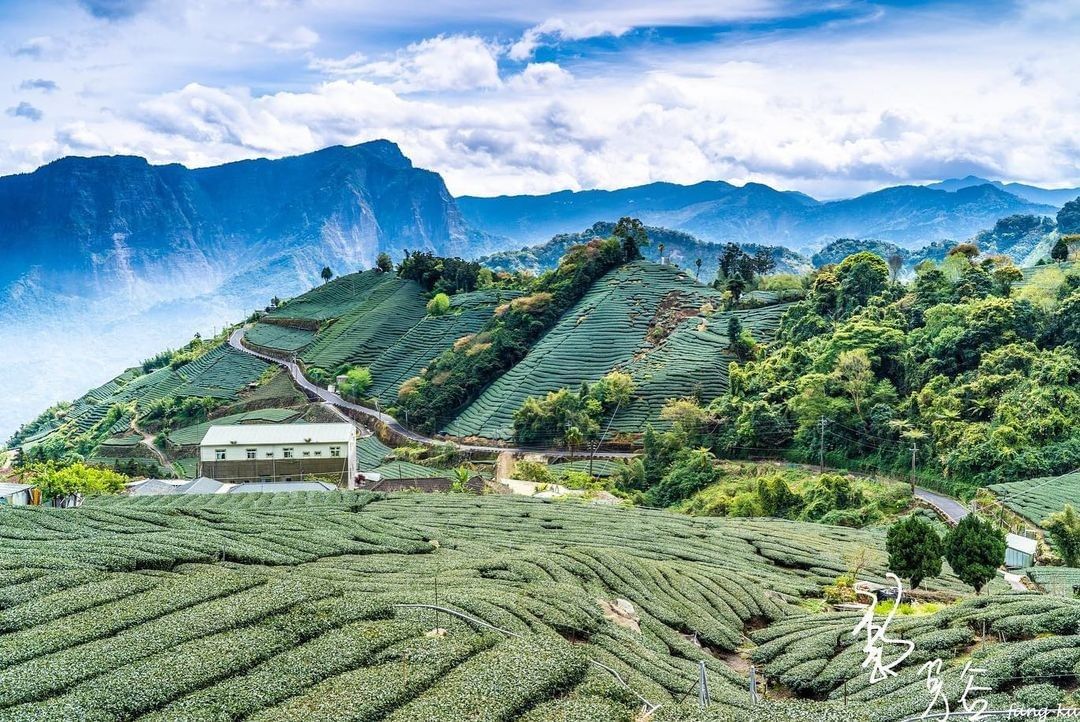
x,y
831,98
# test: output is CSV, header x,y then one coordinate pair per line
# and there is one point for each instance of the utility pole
x,y
821,449
914,450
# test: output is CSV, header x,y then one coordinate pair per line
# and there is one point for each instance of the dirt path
x,y
148,442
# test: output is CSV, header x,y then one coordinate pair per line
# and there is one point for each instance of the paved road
x,y
236,341
951,508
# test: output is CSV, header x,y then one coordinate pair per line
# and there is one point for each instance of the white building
x,y
278,452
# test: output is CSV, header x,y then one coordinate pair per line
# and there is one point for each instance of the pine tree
x,y
975,550
914,550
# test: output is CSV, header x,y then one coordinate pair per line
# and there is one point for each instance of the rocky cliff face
x,y
109,258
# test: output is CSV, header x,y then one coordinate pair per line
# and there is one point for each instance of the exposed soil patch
x,y
621,612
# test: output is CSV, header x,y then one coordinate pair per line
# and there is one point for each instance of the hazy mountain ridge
x,y
115,257
679,248
719,212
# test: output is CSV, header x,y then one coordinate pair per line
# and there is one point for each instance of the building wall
x,y
238,452
18,498
275,469
1016,559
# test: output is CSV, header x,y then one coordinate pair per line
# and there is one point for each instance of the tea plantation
x,y
297,607
1036,499
650,320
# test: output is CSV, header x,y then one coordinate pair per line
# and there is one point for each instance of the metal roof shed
x,y
1019,551
14,494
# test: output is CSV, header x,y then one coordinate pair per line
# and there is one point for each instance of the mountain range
x,y
109,259
719,212
1034,194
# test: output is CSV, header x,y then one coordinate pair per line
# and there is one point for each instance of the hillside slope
x,y
647,319
119,257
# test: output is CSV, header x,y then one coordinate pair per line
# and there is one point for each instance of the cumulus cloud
x,y
47,86
79,138
215,116
540,77
442,63
823,111
25,110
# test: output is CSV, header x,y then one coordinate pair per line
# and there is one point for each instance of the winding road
x,y
236,340
951,509
948,507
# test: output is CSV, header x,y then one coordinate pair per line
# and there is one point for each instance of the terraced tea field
x,y
693,359
192,435
221,373
272,337
600,333
296,607
358,337
1036,499
610,329
429,337
333,299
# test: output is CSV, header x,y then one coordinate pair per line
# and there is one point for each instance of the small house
x,y
1019,551
241,453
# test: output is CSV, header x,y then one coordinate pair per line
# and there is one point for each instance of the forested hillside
x,y
973,367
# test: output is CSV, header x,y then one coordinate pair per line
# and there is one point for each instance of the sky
x,y
831,98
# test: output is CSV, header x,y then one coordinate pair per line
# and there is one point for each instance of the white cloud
x,y
905,98
540,77
559,29
442,63
297,38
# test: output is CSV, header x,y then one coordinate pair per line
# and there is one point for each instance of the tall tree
x,y
697,273
914,550
975,550
384,263
896,262
1060,251
632,235
1065,528
326,274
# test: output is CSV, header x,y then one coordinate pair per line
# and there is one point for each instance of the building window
x,y
269,455
287,452
307,453
318,453
251,453
219,454
335,451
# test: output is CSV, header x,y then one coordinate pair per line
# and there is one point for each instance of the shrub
x,y
357,381
438,305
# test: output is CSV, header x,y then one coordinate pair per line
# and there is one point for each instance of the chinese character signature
x,y
878,641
